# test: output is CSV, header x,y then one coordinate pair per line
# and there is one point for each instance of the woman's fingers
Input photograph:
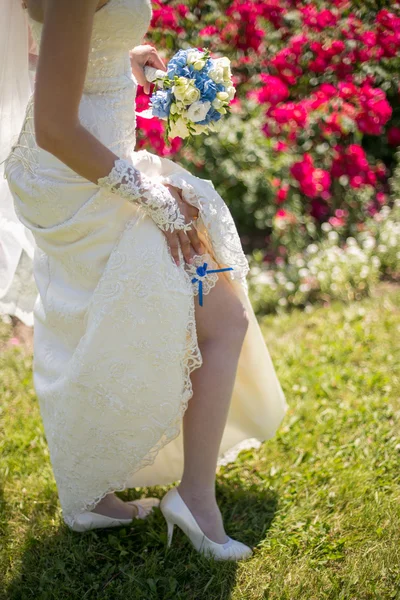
x,y
188,242
142,56
155,60
173,243
195,241
185,245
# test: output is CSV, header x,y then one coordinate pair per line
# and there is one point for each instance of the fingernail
x,y
177,261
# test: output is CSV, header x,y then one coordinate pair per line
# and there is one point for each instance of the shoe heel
x,y
170,532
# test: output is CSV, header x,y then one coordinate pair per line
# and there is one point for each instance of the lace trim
x,y
192,361
151,194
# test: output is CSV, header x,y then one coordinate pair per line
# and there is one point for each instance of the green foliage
x,y
326,271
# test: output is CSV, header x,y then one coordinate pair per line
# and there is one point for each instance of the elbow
x,y
42,138
48,136
51,135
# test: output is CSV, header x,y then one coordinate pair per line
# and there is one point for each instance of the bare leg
x,y
221,327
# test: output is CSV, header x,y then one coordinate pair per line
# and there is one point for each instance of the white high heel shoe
x,y
176,512
91,520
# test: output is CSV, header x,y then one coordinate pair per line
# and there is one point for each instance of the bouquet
x,y
194,93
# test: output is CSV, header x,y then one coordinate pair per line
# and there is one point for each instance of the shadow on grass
x,y
4,528
133,562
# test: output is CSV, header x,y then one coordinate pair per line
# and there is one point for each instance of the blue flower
x,y
209,91
208,66
186,72
208,88
212,115
177,63
160,103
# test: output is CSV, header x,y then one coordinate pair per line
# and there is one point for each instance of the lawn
x,y
320,502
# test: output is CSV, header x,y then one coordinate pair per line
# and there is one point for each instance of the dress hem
x,y
192,360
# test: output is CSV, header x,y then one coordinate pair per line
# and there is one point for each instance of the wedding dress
x,y
18,291
114,332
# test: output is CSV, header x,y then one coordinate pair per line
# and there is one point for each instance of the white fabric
x,y
115,333
14,72
17,289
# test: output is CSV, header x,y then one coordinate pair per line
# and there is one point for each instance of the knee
x,y
224,320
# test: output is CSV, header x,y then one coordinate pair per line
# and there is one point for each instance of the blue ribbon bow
x,y
201,272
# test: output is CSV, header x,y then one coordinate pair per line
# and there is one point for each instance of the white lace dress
x,y
114,323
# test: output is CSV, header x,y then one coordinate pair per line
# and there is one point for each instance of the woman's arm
x,y
60,78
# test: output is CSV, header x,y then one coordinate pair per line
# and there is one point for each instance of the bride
x,y
138,383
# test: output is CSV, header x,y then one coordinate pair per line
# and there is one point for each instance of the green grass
x,y
320,501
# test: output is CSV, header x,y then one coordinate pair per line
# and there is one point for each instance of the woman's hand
x,y
188,241
141,56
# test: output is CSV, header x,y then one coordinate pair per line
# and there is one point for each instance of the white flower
x,y
369,243
217,103
198,129
198,111
193,56
225,64
223,96
333,236
231,91
192,95
179,129
217,74
199,65
221,70
185,91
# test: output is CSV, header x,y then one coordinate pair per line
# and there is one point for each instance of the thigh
x,y
222,313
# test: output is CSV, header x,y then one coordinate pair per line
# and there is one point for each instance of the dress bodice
x,y
118,27
107,106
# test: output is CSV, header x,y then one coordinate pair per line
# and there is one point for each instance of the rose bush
x,y
316,119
